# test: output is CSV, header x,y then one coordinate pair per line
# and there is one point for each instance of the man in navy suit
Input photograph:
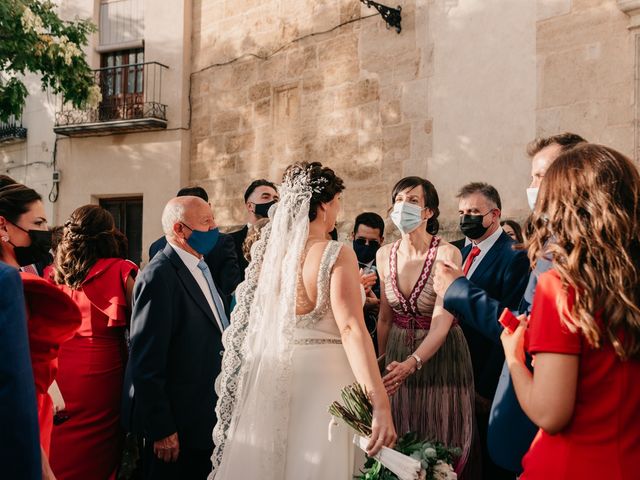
x,y
492,270
176,348
222,260
510,430
20,440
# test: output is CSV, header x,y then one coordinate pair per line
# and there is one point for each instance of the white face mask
x,y
532,196
407,216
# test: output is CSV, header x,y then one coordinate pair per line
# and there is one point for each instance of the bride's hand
x,y
383,433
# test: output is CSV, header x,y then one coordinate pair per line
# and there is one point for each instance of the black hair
x,y
193,192
371,220
324,180
15,200
261,182
515,226
431,200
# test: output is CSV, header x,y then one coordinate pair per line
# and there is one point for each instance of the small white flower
x,y
95,96
31,21
430,452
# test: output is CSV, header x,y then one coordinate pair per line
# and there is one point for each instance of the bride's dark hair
x,y
326,184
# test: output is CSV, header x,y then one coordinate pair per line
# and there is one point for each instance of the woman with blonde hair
x,y
584,329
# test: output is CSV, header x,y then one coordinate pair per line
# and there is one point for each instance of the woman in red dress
x,y
90,269
584,329
52,317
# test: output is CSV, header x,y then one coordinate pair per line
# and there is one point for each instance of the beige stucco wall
x,y
482,98
587,72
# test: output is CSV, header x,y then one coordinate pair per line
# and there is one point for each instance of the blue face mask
x,y
203,242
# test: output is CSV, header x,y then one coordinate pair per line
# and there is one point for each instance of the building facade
x,y
220,92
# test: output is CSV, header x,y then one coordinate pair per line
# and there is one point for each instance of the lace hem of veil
x,y
254,384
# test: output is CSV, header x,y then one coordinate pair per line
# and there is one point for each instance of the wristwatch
x,y
417,359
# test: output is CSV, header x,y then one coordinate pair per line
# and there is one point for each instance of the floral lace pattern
x,y
329,257
256,366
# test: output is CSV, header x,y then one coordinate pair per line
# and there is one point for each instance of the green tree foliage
x,y
34,39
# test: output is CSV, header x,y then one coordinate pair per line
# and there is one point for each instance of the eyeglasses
x,y
365,241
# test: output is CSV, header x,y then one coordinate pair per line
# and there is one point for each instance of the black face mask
x,y
262,209
38,251
471,225
365,253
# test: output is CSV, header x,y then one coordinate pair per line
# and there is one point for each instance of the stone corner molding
x,y
631,8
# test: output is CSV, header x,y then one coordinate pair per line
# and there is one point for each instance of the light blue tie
x,y
214,293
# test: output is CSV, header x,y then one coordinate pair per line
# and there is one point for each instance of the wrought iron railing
x,y
129,92
12,130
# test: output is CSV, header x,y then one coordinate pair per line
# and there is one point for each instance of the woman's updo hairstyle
x,y
431,200
90,234
325,184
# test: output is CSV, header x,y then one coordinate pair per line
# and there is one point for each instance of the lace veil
x,y
255,382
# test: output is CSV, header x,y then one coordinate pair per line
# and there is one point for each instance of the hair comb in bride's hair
x,y
299,175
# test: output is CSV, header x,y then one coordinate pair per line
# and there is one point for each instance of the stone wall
x,y
586,71
316,80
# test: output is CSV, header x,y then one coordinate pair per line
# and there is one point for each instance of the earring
x,y
5,238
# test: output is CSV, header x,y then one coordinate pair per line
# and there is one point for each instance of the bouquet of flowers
x,y
411,458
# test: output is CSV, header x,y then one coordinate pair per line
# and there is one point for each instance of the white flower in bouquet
x,y
430,452
443,471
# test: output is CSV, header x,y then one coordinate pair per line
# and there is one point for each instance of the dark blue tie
x,y
214,293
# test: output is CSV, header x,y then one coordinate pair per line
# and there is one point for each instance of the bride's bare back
x,y
307,287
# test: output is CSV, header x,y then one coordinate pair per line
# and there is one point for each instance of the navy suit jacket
x,y
510,430
20,440
497,282
176,353
222,262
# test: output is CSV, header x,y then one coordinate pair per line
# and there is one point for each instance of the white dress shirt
x,y
484,246
191,262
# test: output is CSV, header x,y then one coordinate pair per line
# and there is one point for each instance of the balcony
x,y
131,102
12,131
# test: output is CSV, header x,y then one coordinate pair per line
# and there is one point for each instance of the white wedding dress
x,y
320,371
281,371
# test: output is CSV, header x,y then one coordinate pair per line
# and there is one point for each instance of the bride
x,y
297,337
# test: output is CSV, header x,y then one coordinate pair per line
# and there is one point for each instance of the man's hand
x,y
168,448
445,274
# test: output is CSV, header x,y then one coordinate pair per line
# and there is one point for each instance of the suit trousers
x,y
192,464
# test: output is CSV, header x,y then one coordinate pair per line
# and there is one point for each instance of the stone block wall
x,y
277,81
586,72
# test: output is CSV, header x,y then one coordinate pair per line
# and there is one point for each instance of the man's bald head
x,y
187,210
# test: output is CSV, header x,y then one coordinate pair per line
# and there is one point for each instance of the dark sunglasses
x,y
364,241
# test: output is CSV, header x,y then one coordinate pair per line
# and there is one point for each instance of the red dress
x,y
52,320
602,441
90,377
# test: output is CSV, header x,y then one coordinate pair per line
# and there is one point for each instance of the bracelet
x,y
417,359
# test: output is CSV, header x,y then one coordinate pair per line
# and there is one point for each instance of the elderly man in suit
x,y
492,269
176,347
222,260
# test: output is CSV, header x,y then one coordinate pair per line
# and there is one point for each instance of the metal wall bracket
x,y
392,16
